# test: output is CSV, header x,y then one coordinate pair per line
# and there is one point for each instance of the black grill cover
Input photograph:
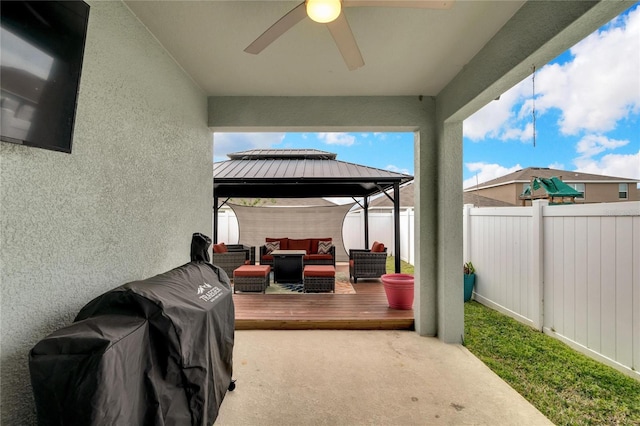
x,y
151,352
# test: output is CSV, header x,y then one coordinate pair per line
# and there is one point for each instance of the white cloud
x,y
380,136
601,84
497,117
596,89
396,169
618,165
337,138
486,172
557,166
225,143
591,145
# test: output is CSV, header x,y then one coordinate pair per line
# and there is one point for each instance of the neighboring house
x,y
383,203
480,201
596,188
407,200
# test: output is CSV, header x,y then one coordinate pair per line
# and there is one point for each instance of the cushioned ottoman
x,y
319,278
251,278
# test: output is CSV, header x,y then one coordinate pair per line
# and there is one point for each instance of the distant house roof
x,y
525,176
480,201
295,173
407,199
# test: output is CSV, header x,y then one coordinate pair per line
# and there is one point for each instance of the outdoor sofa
x,y
320,251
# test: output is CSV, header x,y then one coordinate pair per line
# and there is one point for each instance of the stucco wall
x,y
507,193
607,192
121,207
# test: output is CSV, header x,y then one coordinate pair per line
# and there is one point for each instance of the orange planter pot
x,y
399,290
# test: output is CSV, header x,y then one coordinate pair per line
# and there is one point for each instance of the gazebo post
x,y
366,222
396,220
215,218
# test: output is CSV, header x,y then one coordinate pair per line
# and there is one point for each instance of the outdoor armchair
x,y
235,256
366,263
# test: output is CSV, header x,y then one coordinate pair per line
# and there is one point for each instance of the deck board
x,y
365,310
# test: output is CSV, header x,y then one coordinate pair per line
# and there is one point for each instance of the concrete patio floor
x,y
326,377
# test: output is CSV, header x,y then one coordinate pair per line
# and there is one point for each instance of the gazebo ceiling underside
x,y
300,188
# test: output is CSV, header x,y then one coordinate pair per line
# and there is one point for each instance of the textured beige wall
x,y
507,193
121,207
607,193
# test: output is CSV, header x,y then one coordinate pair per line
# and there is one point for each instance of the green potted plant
x,y
469,280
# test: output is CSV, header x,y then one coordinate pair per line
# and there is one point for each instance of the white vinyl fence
x,y
381,227
572,271
228,230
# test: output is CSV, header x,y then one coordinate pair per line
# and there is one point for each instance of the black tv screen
x,y
42,45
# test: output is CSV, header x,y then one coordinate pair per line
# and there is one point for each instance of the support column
x,y
396,222
366,222
425,241
215,219
450,257
466,230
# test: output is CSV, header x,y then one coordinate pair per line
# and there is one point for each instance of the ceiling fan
x,y
329,12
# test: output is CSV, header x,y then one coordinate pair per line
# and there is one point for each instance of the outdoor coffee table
x,y
288,265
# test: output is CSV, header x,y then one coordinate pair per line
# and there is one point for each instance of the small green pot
x,y
469,281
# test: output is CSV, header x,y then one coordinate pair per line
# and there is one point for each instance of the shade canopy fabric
x,y
257,223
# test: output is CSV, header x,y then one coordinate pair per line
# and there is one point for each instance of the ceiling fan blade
x,y
283,25
341,32
416,4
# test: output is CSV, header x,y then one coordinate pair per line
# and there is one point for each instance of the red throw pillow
x,y
377,247
220,248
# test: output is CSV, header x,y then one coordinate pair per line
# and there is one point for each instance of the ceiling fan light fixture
x,y
323,11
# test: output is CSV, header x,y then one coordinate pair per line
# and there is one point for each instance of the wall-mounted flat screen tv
x,y
42,45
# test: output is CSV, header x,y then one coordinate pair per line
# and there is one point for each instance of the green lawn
x,y
566,386
405,267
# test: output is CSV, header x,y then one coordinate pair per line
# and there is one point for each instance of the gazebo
x,y
304,173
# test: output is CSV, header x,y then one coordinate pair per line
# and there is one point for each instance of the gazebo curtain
x,y
257,223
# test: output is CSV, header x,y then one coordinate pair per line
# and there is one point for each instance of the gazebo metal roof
x,y
298,173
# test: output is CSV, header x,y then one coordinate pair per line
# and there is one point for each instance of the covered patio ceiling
x,y
406,50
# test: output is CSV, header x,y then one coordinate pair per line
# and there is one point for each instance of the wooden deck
x,y
365,310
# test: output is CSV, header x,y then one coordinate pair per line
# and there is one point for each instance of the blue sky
x,y
587,104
